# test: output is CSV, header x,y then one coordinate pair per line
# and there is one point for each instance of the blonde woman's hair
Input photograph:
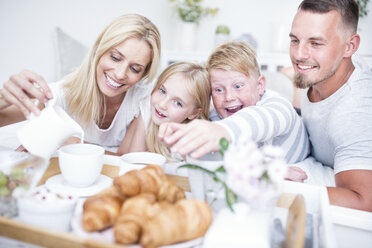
x,y
195,78
235,56
84,99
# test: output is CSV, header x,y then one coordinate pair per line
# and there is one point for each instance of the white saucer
x,y
58,184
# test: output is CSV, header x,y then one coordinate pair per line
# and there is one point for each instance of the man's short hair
x,y
348,10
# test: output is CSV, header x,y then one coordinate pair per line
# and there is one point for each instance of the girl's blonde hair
x,y
84,99
235,56
195,77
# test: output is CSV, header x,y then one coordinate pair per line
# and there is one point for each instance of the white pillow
x,y
70,52
278,82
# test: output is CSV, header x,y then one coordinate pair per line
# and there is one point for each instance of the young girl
x,y
181,94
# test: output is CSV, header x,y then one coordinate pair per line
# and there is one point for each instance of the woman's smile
x,y
111,82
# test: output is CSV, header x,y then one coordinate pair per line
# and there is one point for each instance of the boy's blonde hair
x,y
196,79
84,99
235,56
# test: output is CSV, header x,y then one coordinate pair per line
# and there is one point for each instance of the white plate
x,y
139,160
58,184
107,235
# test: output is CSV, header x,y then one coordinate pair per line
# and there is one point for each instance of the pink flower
x,y
253,173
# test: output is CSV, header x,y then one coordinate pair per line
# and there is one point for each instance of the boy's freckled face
x,y
232,91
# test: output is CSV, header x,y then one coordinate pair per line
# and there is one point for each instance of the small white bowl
x,y
43,208
139,160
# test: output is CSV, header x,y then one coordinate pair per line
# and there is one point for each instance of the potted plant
x,y
192,10
222,34
190,13
223,29
363,10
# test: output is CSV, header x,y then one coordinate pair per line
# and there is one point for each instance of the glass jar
x,y
19,171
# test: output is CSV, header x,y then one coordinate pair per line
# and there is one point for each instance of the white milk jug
x,y
42,135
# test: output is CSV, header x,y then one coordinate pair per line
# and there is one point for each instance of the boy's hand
x,y
196,138
296,174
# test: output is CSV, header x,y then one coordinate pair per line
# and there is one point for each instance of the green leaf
x,y
196,167
224,145
192,10
363,9
265,176
222,29
221,169
231,197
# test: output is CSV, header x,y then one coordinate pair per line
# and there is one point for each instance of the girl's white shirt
x,y
145,108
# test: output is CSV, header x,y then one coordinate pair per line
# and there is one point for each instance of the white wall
x,y
26,26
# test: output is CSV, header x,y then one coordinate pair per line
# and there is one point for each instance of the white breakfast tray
x,y
317,204
352,228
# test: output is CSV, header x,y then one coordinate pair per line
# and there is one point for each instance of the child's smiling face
x,y
171,102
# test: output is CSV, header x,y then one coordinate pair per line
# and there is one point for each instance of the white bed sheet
x,y
8,137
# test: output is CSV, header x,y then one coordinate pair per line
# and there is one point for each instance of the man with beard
x,y
337,109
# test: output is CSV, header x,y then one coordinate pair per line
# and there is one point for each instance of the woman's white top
x,y
111,137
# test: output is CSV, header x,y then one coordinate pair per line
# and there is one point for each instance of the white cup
x,y
139,160
81,164
44,134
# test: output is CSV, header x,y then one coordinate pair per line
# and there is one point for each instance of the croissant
x,y
169,191
128,227
150,179
100,211
171,223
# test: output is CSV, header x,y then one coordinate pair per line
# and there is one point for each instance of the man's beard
x,y
302,82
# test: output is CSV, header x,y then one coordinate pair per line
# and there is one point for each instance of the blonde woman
x,y
181,94
103,94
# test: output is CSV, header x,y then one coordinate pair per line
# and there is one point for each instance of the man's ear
x,y
195,114
352,45
261,84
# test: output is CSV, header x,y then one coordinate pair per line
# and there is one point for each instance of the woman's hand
x,y
71,140
21,88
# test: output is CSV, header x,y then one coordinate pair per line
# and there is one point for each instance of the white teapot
x,y
42,135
